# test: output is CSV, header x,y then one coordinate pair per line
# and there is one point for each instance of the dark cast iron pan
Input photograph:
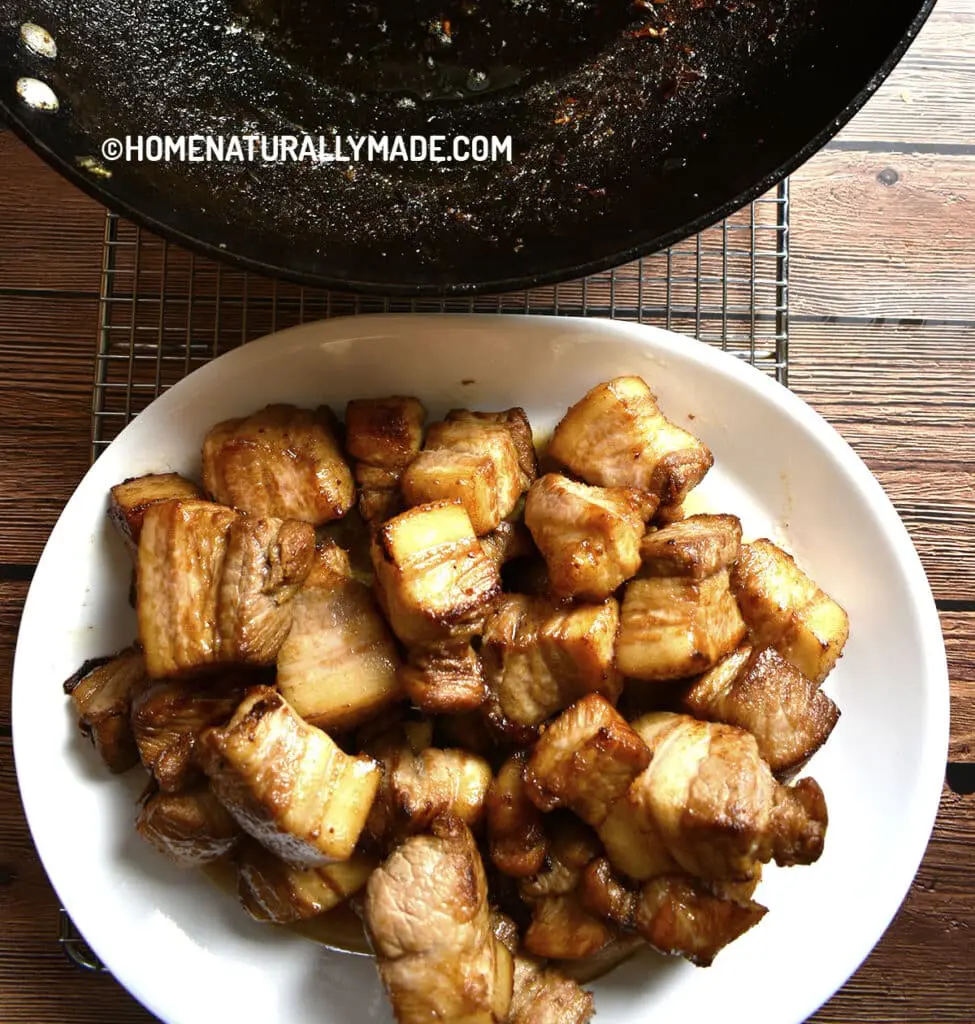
x,y
622,143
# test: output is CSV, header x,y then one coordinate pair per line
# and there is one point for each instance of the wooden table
x,y
882,343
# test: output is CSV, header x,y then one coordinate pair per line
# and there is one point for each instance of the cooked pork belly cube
x,y
191,828
507,542
539,656
180,563
585,760
516,839
681,916
515,421
281,462
571,846
445,475
266,562
287,783
102,691
338,665
426,913
617,437
444,677
632,840
130,499
588,536
672,627
785,609
420,785
483,438
432,572
379,494
384,432
603,894
715,805
543,995
788,714
562,929
697,547
215,587
168,718
271,889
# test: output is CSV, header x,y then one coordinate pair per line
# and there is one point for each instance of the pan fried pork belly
x,y
191,828
540,655
617,437
271,889
339,663
710,803
473,461
281,462
562,929
421,783
515,421
517,841
102,691
426,912
435,584
167,719
682,622
585,760
216,587
570,847
695,547
510,540
543,995
588,536
287,783
129,500
676,914
384,436
788,714
785,609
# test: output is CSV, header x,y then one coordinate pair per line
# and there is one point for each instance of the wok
x,y
631,125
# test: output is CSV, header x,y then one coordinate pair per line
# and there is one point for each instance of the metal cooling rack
x,y
164,312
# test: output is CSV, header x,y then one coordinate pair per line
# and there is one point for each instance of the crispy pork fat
x,y
287,783
281,462
191,828
427,915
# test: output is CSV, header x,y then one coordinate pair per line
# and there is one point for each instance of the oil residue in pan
x,y
438,49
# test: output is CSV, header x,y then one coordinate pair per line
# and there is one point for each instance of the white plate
x,y
185,950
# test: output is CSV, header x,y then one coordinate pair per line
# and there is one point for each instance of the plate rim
x,y
932,741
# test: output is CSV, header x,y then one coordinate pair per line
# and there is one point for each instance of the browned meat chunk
x,y
102,691
682,916
604,895
287,783
588,536
712,804
129,500
785,609
435,584
471,461
280,462
672,627
510,540
421,783
339,663
543,995
167,719
216,587
427,915
617,437
271,889
585,760
571,846
191,828
514,824
788,714
539,656
562,929
384,435
515,421
698,546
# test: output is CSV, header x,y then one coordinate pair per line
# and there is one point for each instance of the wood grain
x,y
894,251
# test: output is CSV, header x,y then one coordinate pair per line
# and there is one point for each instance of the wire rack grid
x,y
164,312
